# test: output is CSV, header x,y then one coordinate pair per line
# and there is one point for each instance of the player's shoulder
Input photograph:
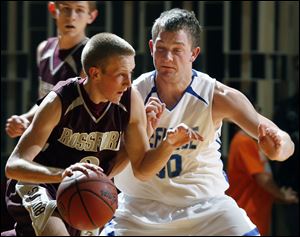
x,y
64,87
145,82
201,76
48,42
44,47
69,83
147,77
203,84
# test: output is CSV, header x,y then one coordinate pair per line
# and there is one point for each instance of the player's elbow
x,y
9,171
12,168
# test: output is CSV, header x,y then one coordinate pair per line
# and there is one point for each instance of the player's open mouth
x,y
70,27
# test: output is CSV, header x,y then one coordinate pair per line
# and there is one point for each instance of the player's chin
x,y
167,72
70,33
116,99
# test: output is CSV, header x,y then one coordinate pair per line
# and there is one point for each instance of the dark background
x,y
251,45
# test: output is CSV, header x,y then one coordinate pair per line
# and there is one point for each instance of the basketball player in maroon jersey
x,y
58,58
79,126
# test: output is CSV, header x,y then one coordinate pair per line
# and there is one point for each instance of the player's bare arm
x,y
283,195
145,161
153,109
121,161
20,164
230,104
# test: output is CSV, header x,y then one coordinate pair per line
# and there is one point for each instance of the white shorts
x,y
38,203
40,207
215,216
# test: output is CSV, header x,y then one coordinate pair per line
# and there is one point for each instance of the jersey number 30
x,y
173,167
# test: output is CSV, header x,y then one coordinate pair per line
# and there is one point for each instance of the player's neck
x,y
68,42
170,94
171,89
93,93
175,84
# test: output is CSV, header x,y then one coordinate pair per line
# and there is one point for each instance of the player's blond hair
x,y
101,47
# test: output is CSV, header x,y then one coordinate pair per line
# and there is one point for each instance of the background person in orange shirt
x,y
251,182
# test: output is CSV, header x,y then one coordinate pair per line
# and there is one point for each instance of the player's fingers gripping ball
x,y
87,202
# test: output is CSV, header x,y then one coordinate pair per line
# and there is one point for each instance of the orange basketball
x,y
87,202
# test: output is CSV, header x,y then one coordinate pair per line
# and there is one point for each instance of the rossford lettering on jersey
x,y
94,141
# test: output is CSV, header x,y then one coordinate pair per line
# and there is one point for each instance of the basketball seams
x,y
83,203
107,204
69,207
90,188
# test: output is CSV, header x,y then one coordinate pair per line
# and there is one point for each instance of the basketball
x,y
87,202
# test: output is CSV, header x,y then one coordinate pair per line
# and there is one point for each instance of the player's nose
x,y
127,81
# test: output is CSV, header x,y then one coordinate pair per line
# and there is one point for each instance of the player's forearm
x,y
121,162
154,160
30,114
32,172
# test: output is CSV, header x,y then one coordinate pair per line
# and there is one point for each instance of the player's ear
x,y
94,72
151,46
52,9
93,16
195,52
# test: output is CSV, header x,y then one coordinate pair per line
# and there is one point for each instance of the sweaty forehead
x,y
121,62
174,37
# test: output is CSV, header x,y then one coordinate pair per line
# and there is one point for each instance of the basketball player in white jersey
x,y
58,58
187,197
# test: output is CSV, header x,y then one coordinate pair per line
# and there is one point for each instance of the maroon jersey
x,y
86,131
58,64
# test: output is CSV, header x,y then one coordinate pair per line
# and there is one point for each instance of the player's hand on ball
x,y
182,134
83,167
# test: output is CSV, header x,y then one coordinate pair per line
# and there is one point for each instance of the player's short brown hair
x,y
178,19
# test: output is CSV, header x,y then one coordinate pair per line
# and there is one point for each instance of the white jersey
x,y
194,171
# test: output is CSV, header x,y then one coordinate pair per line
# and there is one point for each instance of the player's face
x,y
72,17
116,78
172,54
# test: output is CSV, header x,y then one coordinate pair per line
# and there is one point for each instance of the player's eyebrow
x,y
174,42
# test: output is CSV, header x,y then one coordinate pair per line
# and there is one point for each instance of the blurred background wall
x,y
250,45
